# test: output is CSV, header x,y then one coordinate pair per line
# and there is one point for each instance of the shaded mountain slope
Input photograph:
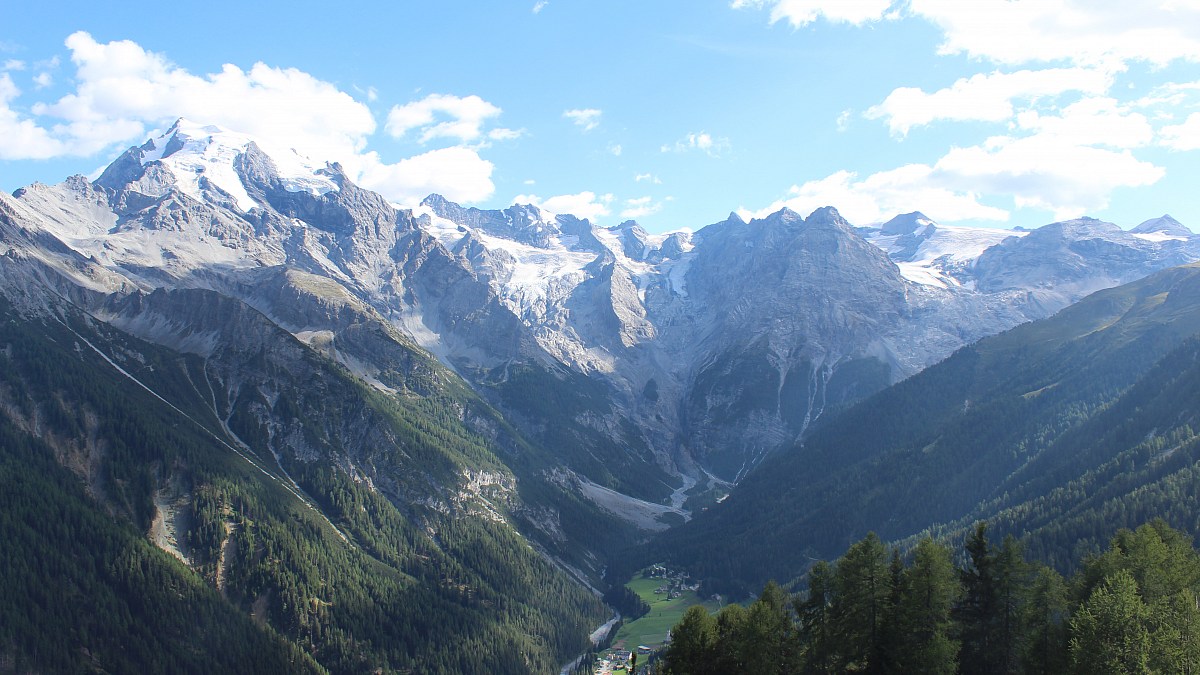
x,y
1013,422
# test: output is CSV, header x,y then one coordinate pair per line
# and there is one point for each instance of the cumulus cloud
x,y
122,91
1081,31
20,137
702,141
1184,136
586,118
1090,121
1024,31
13,64
1045,171
984,97
442,116
458,173
882,195
803,12
639,177
586,204
1068,164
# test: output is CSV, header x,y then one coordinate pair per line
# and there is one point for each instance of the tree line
x,y
1131,609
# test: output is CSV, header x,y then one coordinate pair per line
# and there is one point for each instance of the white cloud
x,y
20,137
442,116
1185,136
539,6
502,134
586,204
1090,121
882,195
13,64
640,207
1068,164
1046,171
1081,31
1022,31
457,173
587,118
639,177
843,120
803,12
615,149
122,90
984,97
43,80
702,141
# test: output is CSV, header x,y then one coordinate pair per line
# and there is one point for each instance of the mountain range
x,y
1058,432
465,400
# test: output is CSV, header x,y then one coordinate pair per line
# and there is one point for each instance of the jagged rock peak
x,y
1164,224
787,215
525,223
827,215
906,223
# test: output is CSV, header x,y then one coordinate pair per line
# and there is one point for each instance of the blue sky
x,y
671,112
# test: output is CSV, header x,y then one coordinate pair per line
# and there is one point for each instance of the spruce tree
x,y
863,590
1045,612
977,611
931,587
813,612
1108,633
693,643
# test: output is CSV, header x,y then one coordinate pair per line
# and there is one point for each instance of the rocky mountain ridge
x,y
679,360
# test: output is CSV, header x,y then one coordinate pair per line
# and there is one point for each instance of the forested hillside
x,y
1061,431
1132,609
282,564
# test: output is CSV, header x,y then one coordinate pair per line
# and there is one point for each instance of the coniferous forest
x,y
985,609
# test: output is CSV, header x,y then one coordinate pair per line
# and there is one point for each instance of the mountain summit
x,y
200,158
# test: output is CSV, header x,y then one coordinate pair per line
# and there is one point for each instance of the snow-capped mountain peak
x,y
906,223
1162,228
932,254
193,150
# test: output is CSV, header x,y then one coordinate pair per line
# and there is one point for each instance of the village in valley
x,y
668,593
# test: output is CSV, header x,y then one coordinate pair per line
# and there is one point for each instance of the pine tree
x,y
931,587
977,611
1108,633
769,642
863,590
1045,624
1011,576
813,612
693,643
